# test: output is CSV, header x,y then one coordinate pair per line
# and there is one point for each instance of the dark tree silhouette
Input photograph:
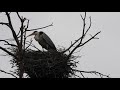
x,y
39,64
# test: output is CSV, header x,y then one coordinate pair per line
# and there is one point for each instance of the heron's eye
x,y
41,33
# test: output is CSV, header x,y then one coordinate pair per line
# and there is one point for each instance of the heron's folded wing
x,y
48,41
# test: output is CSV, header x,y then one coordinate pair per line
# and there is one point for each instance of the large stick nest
x,y
38,64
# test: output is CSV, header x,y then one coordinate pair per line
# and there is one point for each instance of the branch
x,y
40,28
83,34
29,45
11,27
25,36
101,75
8,73
34,29
8,43
19,16
32,45
8,52
90,39
82,37
84,24
2,23
89,26
79,45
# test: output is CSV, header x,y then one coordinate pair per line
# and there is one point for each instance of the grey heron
x,y
44,40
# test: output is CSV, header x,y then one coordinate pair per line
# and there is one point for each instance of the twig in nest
x,y
92,72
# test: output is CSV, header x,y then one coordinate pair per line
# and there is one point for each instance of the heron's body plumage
x,y
44,41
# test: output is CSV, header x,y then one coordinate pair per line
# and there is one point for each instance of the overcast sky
x,y
100,55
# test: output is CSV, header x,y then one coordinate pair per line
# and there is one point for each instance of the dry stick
x,y
82,75
18,33
32,45
4,49
7,43
15,38
90,38
35,47
89,26
25,35
84,24
28,45
81,36
92,72
79,45
21,51
21,29
37,29
2,23
11,28
40,28
72,45
8,73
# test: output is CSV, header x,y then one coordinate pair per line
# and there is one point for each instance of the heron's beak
x,y
31,34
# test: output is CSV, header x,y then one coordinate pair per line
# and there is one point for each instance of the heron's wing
x,y
48,41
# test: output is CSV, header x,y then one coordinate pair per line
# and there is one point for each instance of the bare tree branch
x,y
29,45
72,45
8,52
89,26
25,34
84,25
8,43
8,73
2,23
93,72
90,39
19,16
83,34
32,45
80,40
40,28
12,29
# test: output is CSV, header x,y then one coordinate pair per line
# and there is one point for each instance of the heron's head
x,y
34,33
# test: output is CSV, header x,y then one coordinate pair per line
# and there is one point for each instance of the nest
x,y
38,64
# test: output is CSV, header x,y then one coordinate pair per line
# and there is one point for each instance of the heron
x,y
44,40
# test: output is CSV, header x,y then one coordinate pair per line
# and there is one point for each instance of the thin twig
x,y
40,28
8,43
32,45
72,45
83,33
89,26
2,23
8,73
12,29
90,38
82,37
29,45
8,52
95,72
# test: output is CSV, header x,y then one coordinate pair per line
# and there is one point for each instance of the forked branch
x,y
80,40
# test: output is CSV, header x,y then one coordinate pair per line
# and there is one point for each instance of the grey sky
x,y
101,55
